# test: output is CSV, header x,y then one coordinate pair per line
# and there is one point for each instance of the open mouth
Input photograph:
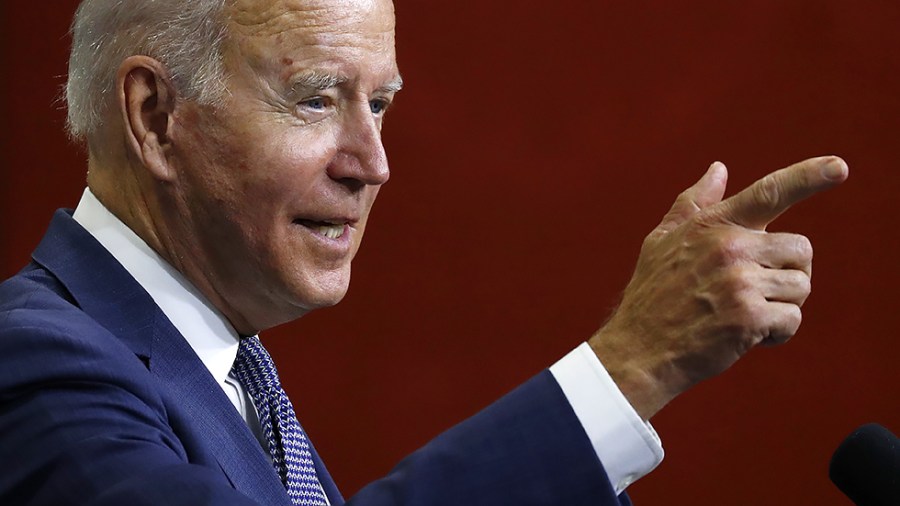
x,y
331,230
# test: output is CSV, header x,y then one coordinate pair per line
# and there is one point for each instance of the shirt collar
x,y
205,329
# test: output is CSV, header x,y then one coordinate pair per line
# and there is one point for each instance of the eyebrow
x,y
312,80
392,86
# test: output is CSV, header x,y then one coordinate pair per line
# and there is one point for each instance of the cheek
x,y
289,172
371,194
211,170
313,146
226,201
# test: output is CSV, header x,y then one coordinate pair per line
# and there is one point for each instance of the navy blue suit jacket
x,y
103,402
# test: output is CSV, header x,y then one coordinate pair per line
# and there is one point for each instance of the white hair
x,y
185,35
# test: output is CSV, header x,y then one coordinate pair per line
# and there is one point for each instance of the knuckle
x,y
792,319
795,318
804,283
728,248
803,248
745,314
786,326
650,241
736,280
754,315
685,196
797,280
767,192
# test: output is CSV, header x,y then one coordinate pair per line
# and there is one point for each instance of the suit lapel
x,y
212,414
106,292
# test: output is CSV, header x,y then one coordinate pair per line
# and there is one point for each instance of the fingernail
x,y
715,169
835,169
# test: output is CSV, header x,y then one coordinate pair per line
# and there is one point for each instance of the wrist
x,y
636,376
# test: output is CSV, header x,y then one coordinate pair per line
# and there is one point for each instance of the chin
x,y
326,300
325,291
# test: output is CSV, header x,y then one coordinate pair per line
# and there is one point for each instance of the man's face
x,y
276,182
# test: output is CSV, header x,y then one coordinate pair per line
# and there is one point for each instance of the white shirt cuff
x,y
628,447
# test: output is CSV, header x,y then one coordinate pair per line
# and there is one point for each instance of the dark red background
x,y
535,145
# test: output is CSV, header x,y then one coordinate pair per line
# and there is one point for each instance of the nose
x,y
361,159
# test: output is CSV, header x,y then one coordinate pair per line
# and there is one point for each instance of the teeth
x,y
332,231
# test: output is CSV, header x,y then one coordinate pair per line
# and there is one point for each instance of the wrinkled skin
x,y
710,284
261,200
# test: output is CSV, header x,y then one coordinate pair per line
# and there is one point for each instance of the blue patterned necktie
x,y
287,442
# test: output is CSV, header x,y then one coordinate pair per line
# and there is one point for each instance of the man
x,y
234,154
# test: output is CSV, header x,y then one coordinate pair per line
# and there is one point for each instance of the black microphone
x,y
866,466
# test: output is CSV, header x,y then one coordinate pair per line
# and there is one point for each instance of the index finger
x,y
760,203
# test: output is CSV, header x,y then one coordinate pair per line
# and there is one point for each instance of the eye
x,y
378,106
315,103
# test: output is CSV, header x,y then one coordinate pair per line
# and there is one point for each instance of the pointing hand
x,y
711,283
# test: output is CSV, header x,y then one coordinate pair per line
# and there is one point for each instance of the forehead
x,y
278,38
361,24
309,12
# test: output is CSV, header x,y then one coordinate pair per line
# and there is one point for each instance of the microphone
x,y
866,466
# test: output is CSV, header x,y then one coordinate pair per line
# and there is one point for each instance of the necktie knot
x,y
286,440
255,368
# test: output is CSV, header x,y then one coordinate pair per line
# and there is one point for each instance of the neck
x,y
137,203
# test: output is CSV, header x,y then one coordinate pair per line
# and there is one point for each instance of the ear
x,y
147,100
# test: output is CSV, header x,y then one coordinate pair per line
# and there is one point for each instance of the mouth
x,y
331,228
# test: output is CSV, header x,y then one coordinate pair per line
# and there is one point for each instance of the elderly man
x,y
234,155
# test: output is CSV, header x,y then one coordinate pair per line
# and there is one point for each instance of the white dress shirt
x,y
628,447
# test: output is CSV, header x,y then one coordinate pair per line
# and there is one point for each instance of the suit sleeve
x,y
83,425
528,448
83,422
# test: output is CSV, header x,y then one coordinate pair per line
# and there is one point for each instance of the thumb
x,y
707,191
